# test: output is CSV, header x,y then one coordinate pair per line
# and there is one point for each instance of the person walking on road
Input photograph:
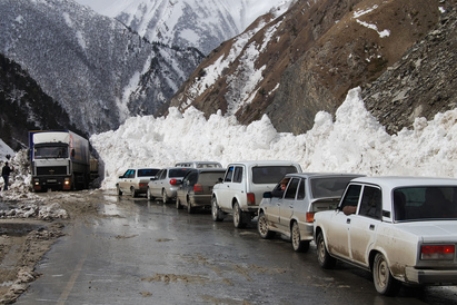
x,y
6,171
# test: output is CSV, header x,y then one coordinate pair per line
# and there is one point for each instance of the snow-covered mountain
x,y
202,24
97,69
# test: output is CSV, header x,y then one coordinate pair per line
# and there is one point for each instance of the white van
x,y
199,164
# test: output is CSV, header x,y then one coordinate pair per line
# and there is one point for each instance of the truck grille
x,y
51,170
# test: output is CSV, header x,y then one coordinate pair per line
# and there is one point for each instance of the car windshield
x,y
270,174
147,172
329,187
425,202
178,172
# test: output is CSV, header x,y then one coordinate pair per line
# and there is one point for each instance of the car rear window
x,y
270,174
425,202
210,178
329,187
147,172
179,172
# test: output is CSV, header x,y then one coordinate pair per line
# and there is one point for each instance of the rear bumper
x,y
431,276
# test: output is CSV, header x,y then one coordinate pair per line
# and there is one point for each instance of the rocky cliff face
x,y
312,55
422,83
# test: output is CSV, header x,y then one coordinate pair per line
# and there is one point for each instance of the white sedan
x,y
402,229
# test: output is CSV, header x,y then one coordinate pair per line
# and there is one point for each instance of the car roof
x,y
323,174
264,162
392,182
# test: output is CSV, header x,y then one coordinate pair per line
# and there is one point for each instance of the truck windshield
x,y
51,152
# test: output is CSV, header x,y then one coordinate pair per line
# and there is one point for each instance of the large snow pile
x,y
353,142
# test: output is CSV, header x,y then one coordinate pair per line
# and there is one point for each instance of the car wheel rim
x,y
382,273
236,216
214,209
295,236
321,250
263,227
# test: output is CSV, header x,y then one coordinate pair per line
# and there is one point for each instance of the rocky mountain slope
x,y
94,67
304,61
25,106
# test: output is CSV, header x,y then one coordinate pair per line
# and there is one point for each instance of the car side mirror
x,y
267,195
220,180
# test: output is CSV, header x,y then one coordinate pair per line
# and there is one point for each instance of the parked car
x,y
196,188
135,181
240,191
402,229
290,211
199,164
166,183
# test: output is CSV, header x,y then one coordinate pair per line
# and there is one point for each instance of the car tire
x,y
178,204
216,212
383,280
297,244
239,218
132,192
119,192
148,194
165,197
323,257
262,227
190,209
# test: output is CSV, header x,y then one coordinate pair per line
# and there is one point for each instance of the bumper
x,y
56,183
431,277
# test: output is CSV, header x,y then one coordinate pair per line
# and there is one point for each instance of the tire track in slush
x,y
71,282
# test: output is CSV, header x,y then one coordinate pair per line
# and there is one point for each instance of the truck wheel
x,y
323,257
132,192
165,197
383,280
239,218
297,244
262,227
216,213
119,192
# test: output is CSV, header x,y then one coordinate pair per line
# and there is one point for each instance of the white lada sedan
x,y
402,229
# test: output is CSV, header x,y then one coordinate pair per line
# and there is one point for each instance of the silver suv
x,y
240,191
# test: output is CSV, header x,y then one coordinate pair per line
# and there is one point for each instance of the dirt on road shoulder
x,y
28,228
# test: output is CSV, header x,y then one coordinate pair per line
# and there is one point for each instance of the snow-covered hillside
x,y
202,24
98,70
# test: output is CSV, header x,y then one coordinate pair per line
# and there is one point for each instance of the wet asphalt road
x,y
144,252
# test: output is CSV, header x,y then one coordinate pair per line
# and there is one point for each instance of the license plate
x,y
52,180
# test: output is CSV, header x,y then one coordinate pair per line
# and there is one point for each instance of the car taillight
x,y
251,198
143,185
437,252
310,217
198,188
173,181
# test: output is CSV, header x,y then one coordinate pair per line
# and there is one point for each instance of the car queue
x,y
401,229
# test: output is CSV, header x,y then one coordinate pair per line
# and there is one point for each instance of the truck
x,y
60,160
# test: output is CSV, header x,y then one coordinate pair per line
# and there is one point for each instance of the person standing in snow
x,y
6,171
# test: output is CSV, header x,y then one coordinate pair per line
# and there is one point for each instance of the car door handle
x,y
371,227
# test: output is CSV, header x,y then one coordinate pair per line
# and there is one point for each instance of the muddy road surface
x,y
132,251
